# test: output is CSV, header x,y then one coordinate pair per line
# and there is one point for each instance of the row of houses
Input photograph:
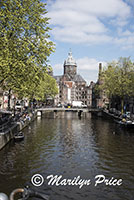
x,y
71,86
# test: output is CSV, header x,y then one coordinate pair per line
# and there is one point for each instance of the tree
x,y
46,88
24,44
118,79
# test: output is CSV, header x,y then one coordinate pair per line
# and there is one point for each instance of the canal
x,y
73,148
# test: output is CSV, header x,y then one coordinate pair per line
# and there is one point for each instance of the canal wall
x,y
106,115
8,135
110,116
23,124
97,113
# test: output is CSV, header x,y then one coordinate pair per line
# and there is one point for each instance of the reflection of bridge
x,y
69,109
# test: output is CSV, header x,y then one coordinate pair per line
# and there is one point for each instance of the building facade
x,y
72,86
99,97
4,98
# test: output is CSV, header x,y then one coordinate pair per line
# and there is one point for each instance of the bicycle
x,y
26,193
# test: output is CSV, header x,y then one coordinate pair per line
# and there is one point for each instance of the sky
x,y
95,31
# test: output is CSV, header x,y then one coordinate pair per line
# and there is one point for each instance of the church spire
x,y
70,60
70,66
70,52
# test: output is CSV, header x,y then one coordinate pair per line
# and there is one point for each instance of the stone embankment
x,y
15,126
111,116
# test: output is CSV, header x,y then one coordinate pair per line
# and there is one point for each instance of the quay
x,y
11,128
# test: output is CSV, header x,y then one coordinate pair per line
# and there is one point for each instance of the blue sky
x,y
95,30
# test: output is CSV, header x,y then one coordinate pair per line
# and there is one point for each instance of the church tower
x,y
70,66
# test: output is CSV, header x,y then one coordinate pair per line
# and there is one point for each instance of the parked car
x,y
68,105
84,106
78,104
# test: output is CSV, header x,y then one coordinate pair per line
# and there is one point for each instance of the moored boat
x,y
19,136
126,123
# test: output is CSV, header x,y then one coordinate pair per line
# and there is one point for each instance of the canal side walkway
x,y
14,125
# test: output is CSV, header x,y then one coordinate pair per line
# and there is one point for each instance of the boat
x,y
125,123
19,136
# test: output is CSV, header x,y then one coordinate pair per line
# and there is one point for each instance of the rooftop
x,y
70,60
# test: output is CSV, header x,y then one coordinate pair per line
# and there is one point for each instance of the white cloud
x,y
58,66
77,35
125,42
88,68
87,64
125,38
104,8
131,2
86,21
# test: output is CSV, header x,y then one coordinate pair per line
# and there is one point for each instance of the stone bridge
x,y
68,109
79,110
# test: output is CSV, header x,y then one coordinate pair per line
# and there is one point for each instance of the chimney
x,y
100,68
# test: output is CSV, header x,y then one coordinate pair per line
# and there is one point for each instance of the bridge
x,y
55,109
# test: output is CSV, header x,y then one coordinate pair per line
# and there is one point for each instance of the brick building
x,y
72,86
99,98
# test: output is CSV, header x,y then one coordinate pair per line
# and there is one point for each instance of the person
x,y
26,105
123,120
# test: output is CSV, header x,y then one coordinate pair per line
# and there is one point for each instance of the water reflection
x,y
65,145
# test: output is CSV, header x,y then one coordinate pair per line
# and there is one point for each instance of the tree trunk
x,y
122,106
9,98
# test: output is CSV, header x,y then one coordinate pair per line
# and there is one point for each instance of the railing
x,y
10,121
19,117
68,109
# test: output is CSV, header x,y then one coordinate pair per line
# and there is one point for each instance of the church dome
x,y
70,60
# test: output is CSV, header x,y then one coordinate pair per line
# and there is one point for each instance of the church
x,y
72,86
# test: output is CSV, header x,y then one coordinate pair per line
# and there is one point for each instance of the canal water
x,y
71,148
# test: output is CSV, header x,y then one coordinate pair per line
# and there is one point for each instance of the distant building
x,y
72,86
4,98
99,97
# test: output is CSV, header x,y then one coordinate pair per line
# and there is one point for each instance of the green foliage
x,y
118,79
97,89
46,88
24,44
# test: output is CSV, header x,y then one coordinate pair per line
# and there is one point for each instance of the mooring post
x,y
55,114
79,113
